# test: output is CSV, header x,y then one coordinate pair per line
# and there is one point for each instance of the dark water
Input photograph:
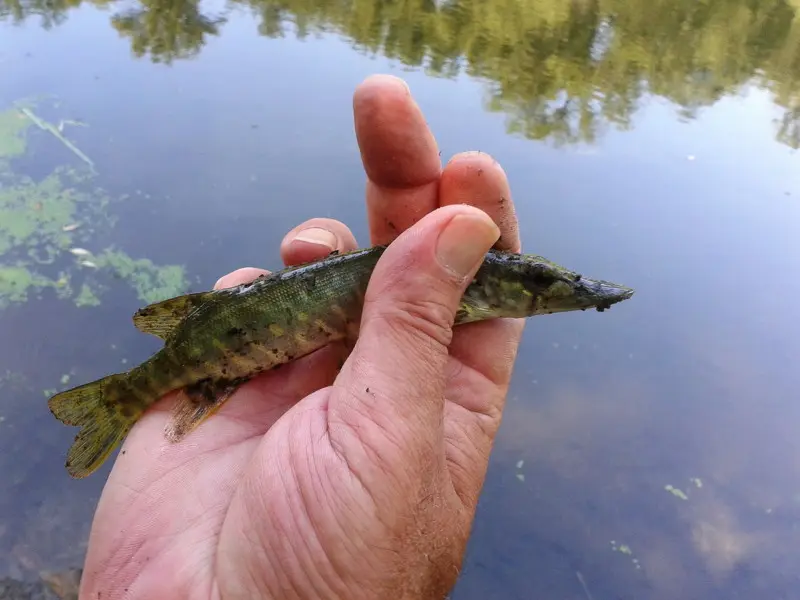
x,y
652,143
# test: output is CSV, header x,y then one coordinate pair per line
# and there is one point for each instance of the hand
x,y
312,482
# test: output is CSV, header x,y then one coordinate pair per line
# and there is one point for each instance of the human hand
x,y
312,482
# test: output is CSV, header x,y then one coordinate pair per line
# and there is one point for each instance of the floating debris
x,y
583,585
676,492
44,125
625,549
63,122
520,476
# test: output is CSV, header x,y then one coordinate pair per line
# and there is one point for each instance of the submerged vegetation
x,y
562,71
44,223
56,232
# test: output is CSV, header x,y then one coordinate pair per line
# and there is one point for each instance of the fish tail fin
x,y
104,416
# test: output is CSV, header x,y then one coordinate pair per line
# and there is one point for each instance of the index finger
x,y
399,154
478,179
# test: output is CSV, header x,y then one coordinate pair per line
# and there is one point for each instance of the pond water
x,y
647,452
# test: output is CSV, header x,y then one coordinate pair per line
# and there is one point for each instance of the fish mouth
x,y
600,295
583,293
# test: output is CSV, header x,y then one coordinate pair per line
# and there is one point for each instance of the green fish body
x,y
216,340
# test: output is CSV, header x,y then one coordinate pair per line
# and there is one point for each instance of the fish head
x,y
552,288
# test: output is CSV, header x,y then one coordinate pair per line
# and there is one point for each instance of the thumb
x,y
392,384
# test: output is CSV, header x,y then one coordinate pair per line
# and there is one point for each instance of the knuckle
x,y
425,321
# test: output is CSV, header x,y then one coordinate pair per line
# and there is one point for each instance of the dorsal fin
x,y
160,318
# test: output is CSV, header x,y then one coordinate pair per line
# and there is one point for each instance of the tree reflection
x,y
561,70
166,30
50,12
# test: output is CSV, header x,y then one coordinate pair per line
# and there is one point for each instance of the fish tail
x,y
105,415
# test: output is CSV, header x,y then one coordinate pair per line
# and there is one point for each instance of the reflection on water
x,y
646,453
560,70
606,465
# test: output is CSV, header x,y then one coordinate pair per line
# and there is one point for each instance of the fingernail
x,y
464,242
318,236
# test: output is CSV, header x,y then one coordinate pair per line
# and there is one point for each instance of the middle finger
x,y
399,154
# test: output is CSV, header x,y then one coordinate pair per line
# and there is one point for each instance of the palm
x,y
181,515
198,500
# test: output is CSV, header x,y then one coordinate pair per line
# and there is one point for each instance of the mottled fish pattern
x,y
215,340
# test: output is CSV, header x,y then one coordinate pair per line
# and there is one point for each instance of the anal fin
x,y
197,402
160,318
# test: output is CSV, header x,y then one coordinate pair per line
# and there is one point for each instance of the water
x,y
652,144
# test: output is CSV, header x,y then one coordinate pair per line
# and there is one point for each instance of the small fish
x,y
70,227
89,264
80,251
216,340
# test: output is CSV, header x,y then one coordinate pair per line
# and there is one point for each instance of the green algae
x,y
33,215
12,379
17,283
13,129
41,220
87,297
151,282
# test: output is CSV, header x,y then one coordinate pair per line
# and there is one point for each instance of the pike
x,y
216,340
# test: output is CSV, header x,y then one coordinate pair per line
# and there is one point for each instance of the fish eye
x,y
542,275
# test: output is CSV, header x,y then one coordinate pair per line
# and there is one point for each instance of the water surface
x,y
651,143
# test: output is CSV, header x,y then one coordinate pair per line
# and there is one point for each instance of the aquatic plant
x,y
43,222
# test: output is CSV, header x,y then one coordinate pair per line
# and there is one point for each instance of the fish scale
x,y
216,340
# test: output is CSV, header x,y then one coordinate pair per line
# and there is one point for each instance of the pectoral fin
x,y
197,402
160,318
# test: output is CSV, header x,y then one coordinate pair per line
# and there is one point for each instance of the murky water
x,y
650,143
